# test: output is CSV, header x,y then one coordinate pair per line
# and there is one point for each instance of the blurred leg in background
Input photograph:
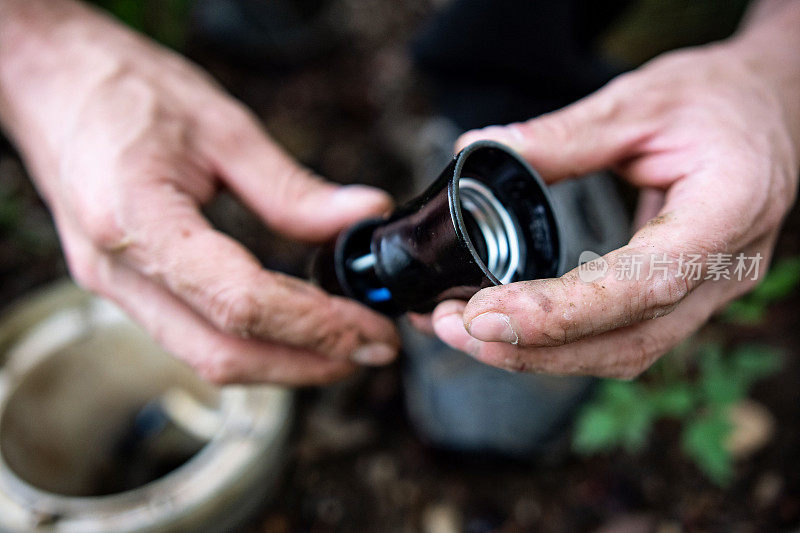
x,y
494,63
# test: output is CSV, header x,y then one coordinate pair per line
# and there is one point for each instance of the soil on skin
x,y
356,464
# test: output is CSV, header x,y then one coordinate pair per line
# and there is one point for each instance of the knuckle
x,y
233,140
234,311
604,107
336,343
235,126
294,185
236,115
333,335
103,227
306,323
664,293
621,83
558,127
644,353
553,333
515,362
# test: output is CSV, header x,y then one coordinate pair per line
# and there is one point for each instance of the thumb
x,y
289,197
592,134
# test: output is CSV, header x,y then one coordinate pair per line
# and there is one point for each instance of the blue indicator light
x,y
379,295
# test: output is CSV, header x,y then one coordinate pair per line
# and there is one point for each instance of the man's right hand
x,y
125,141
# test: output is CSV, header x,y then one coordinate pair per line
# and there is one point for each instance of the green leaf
x,y
781,281
618,416
166,21
620,393
635,427
595,430
703,440
721,388
709,359
717,382
130,12
725,380
672,400
622,413
745,311
751,362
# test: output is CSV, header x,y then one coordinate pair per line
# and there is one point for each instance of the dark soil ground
x,y
356,464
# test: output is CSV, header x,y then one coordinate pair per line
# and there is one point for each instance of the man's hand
x,y
713,135
125,141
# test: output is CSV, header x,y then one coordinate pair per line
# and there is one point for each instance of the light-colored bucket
x,y
101,430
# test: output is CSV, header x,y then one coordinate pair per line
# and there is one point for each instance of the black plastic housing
x,y
431,249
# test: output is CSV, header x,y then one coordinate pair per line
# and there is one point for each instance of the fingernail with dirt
x,y
373,354
493,327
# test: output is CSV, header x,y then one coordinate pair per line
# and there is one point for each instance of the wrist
x,y
46,63
53,54
767,47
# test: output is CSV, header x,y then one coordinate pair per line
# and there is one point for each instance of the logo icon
x,y
591,266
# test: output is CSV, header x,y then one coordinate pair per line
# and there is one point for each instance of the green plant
x,y
20,227
623,413
781,281
699,395
164,20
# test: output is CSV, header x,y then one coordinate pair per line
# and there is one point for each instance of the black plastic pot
x,y
486,220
